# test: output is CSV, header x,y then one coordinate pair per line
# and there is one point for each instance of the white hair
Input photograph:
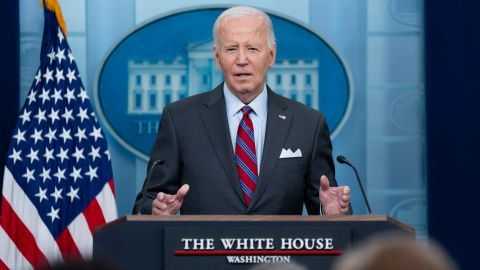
x,y
241,12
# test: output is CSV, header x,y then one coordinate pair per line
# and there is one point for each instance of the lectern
x,y
233,242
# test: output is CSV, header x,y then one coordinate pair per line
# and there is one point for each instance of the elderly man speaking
x,y
241,148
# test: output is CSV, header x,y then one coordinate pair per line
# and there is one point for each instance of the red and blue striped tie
x,y
245,156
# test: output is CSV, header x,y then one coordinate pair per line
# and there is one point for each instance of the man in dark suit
x,y
241,148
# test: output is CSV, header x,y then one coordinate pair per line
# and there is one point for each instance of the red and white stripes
x,y
26,242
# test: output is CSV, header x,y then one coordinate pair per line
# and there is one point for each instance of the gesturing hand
x,y
166,204
335,200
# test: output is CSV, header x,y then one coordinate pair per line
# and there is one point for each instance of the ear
x,y
273,54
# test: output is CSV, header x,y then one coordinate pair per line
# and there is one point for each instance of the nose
x,y
242,59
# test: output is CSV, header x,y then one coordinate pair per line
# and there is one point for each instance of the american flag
x,y
58,182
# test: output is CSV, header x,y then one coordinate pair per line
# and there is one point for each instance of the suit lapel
x,y
278,125
214,118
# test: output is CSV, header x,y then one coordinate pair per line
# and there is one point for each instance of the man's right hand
x,y
166,204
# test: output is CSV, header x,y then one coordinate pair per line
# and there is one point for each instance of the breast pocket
x,y
288,162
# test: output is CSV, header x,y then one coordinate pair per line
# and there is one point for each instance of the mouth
x,y
242,75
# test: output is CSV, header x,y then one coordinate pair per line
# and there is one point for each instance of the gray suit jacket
x,y
194,141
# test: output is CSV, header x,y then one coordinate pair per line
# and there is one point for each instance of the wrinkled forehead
x,y
243,24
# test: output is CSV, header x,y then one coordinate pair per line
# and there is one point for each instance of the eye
x,y
231,49
253,49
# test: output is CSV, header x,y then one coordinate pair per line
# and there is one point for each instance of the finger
x,y
343,193
169,198
343,204
154,205
166,198
174,207
156,208
344,210
161,196
157,211
158,204
161,208
182,192
324,183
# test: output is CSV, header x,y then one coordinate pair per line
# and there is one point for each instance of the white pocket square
x,y
289,154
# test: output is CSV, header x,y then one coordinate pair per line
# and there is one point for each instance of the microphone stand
x,y
149,176
343,160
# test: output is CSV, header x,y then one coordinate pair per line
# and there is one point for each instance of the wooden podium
x,y
233,242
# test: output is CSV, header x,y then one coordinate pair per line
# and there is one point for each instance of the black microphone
x,y
343,160
149,175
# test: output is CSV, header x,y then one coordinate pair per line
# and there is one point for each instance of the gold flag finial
x,y
54,7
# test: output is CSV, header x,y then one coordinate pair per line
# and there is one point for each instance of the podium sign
x,y
207,248
233,242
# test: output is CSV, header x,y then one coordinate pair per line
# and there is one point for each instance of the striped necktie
x,y
245,156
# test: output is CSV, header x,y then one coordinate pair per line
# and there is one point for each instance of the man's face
x,y
243,56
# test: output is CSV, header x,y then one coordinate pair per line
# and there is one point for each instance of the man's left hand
x,y
335,200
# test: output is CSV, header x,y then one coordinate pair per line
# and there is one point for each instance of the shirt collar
x,y
234,104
